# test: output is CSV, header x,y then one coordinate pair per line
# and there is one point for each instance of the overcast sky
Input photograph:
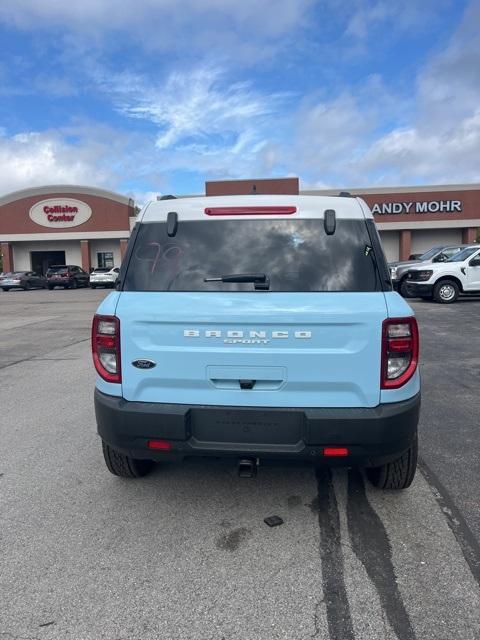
x,y
156,96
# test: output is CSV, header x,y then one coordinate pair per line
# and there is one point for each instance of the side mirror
x,y
475,262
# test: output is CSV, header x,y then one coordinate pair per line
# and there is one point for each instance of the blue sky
x,y
157,96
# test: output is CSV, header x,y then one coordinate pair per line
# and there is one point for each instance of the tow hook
x,y
247,467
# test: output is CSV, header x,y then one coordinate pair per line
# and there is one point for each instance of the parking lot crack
x,y
7,635
316,625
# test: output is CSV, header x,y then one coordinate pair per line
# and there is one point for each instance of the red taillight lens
x,y
106,348
159,445
399,351
250,211
334,452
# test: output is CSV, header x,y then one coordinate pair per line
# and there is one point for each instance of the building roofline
x,y
65,188
379,190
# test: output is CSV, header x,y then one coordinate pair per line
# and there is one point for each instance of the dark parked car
x,y
22,280
67,276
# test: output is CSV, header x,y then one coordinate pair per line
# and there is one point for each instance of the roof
x,y
306,207
64,189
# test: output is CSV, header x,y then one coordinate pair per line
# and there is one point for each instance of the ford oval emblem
x,y
144,364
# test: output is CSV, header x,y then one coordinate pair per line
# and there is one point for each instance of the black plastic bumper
x,y
373,436
418,289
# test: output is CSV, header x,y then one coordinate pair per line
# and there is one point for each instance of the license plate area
x,y
246,426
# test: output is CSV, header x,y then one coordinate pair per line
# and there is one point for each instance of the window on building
x,y
105,259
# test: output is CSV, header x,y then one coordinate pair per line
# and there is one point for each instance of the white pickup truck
x,y
445,281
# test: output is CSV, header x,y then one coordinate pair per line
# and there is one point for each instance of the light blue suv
x,y
257,327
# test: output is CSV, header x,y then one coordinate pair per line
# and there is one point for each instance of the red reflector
x,y
400,344
250,211
107,342
335,451
161,445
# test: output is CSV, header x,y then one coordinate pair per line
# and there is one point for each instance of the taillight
x,y
250,211
399,351
106,347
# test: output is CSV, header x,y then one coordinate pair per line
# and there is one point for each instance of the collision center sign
x,y
59,213
428,206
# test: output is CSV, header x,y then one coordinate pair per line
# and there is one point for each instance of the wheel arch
x,y
454,278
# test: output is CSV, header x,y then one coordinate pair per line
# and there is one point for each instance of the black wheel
x,y
6,288
446,291
92,286
398,474
403,289
121,465
50,287
26,287
74,284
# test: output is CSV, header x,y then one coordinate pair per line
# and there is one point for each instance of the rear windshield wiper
x,y
260,280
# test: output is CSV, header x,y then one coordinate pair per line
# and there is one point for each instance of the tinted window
x,y
296,255
58,270
451,252
430,253
101,270
463,255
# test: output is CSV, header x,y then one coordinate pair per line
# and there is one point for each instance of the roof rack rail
x,y
345,194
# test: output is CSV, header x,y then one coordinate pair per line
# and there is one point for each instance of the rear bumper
x,y
373,436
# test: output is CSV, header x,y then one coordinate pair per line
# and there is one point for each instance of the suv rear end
x,y
66,276
257,327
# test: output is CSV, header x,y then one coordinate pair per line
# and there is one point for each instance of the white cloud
x,y
243,28
393,17
431,136
198,105
37,158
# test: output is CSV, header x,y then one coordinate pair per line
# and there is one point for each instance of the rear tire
x,y
123,466
50,287
74,284
396,475
6,288
446,291
92,286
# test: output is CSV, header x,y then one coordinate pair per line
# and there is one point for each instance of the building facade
x,y
90,227
412,220
64,224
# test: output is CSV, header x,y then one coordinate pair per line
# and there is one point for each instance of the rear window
x,y
296,255
101,270
58,270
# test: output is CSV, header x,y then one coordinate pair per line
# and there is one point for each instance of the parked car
x,y
446,281
399,270
67,276
22,280
103,277
256,327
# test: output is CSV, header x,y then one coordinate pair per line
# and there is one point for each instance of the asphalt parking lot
x,y
184,553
